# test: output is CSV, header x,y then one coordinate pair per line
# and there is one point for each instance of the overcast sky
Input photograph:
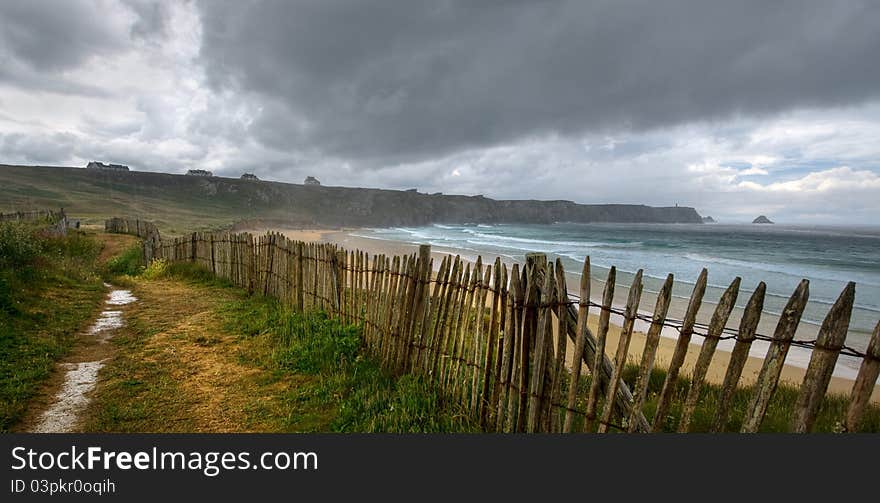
x,y
738,109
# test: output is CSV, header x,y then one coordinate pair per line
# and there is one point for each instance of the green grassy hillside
x,y
176,206
179,203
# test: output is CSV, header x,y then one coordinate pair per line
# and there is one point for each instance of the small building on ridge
x,y
106,167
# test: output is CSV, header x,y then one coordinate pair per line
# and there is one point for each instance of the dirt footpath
x,y
63,398
177,369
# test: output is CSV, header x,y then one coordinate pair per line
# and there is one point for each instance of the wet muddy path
x,y
67,394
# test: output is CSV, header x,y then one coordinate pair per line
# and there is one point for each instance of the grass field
x,y
175,206
50,288
200,355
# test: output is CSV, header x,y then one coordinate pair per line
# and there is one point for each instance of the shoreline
x,y
796,360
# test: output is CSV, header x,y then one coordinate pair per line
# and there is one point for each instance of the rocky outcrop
x,y
762,220
708,220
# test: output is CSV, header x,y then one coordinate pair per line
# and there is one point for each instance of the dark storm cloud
x,y
49,36
40,40
402,80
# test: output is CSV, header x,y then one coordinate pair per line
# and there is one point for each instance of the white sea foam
x,y
779,256
797,272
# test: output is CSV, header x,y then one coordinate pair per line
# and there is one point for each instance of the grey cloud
x,y
37,149
25,77
51,36
109,128
152,18
392,82
40,40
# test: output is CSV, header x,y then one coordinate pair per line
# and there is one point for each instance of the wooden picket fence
x,y
513,346
56,222
140,228
51,216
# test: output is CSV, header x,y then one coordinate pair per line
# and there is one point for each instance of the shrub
x,y
128,263
156,269
75,245
19,245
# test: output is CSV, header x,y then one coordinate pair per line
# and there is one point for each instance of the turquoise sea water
x,y
776,254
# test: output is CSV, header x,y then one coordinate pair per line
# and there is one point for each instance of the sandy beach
x,y
792,373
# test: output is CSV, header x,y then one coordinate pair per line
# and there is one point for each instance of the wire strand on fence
x,y
731,333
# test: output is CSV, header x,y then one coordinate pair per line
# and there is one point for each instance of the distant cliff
x,y
236,200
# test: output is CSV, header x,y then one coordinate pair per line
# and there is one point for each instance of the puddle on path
x,y
80,377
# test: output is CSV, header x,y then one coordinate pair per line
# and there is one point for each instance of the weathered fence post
x,y
865,381
535,262
632,306
652,341
775,358
512,338
298,271
193,242
544,300
599,355
716,328
745,336
421,276
580,342
828,345
681,347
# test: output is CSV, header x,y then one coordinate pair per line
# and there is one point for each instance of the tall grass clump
x,y
19,249
19,245
186,271
363,397
126,264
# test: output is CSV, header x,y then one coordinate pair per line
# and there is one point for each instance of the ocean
x,y
779,255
